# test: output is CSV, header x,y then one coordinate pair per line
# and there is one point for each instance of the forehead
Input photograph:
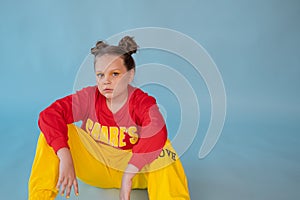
x,y
107,62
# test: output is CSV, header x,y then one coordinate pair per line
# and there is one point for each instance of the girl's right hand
x,y
67,177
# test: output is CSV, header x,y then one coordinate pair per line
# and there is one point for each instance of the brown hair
x,y
126,47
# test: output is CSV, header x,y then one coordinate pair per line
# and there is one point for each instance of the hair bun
x,y
99,45
128,44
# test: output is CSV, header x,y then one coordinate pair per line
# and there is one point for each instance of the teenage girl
x,y
122,142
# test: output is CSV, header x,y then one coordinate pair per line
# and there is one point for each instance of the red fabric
x,y
139,116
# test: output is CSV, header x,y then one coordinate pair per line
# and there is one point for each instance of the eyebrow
x,y
109,70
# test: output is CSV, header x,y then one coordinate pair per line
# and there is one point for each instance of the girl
x,y
122,142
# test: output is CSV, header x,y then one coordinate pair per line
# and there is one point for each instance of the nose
x,y
106,80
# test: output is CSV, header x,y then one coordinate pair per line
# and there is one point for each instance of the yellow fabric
x,y
102,166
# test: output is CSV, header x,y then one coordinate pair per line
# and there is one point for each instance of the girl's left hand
x,y
126,184
125,187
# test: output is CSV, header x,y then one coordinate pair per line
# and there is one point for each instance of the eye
x,y
100,75
115,74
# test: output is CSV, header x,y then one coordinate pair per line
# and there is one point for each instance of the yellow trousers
x,y
102,166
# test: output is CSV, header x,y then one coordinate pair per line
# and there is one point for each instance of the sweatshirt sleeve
x,y
54,119
153,133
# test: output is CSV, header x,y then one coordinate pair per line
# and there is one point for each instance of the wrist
x,y
62,153
130,172
128,176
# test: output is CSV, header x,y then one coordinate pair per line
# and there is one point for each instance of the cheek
x,y
98,81
126,78
121,84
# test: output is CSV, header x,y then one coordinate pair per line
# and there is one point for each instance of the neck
x,y
116,103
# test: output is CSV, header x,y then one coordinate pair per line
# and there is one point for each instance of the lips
x,y
108,90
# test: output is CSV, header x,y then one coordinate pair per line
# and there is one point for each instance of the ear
x,y
131,75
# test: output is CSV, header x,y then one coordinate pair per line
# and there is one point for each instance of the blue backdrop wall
x,y
255,45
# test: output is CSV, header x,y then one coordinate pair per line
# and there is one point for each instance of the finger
x,y
63,187
68,189
59,182
75,185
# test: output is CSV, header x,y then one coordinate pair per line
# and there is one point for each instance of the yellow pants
x,y
102,166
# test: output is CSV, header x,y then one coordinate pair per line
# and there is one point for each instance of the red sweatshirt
x,y
138,125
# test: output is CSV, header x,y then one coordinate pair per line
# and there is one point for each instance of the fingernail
x,y
62,194
77,194
67,197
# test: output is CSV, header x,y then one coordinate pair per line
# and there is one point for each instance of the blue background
x,y
255,45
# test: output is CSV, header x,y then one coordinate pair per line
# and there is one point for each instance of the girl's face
x,y
112,77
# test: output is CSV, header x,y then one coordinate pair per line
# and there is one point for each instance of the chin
x,y
108,96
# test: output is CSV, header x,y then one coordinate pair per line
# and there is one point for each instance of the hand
x,y
125,188
126,184
67,177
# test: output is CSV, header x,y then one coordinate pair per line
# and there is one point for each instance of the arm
x,y
54,119
153,135
53,124
126,184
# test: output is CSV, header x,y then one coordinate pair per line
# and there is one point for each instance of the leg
x,y
45,169
166,178
97,164
44,174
